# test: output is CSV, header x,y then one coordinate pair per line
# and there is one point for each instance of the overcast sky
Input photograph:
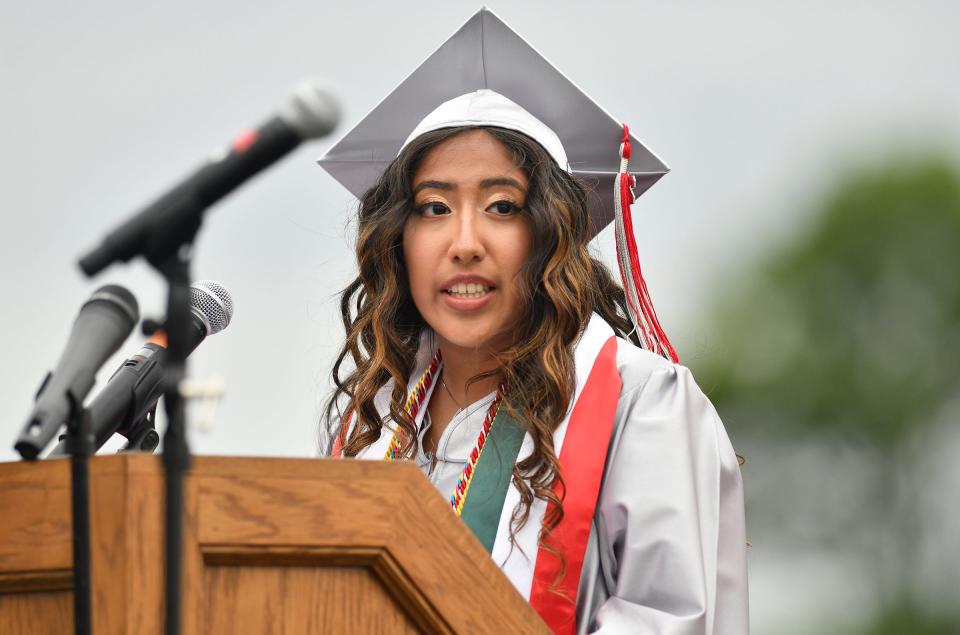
x,y
754,105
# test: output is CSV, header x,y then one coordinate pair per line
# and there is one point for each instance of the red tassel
x,y
626,142
657,341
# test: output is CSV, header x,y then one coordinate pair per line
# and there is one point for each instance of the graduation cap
x,y
486,74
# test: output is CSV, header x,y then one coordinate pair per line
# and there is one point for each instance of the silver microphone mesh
x,y
211,303
312,111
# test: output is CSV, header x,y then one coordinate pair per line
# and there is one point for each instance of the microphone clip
x,y
142,435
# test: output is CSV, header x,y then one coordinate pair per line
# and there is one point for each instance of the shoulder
x,y
643,371
670,517
635,365
661,402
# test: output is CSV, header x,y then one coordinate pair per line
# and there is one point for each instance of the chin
x,y
456,333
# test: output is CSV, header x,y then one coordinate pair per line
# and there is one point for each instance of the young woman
x,y
486,344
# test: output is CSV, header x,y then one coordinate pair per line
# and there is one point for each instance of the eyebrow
x,y
484,184
434,185
503,180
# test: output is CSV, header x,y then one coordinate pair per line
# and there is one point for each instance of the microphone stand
x,y
175,268
80,445
164,236
163,233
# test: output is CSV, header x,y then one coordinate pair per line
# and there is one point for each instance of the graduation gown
x,y
666,552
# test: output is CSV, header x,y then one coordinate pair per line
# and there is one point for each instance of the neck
x,y
460,365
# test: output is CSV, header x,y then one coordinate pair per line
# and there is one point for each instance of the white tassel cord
x,y
640,306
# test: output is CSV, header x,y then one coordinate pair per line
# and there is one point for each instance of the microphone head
x,y
212,303
312,111
120,298
104,322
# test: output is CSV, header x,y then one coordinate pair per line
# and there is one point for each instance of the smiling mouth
x,y
468,290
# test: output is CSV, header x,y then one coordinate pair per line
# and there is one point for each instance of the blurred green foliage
x,y
848,338
907,619
853,329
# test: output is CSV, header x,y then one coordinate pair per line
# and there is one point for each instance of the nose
x,y
466,244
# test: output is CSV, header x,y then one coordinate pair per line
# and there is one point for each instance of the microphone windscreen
x,y
312,111
212,303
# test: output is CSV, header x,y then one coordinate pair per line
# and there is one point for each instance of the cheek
x,y
408,245
520,247
416,258
515,253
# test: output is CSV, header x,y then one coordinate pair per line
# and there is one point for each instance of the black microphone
x,y
134,389
175,216
104,322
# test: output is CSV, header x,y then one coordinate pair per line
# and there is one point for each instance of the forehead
x,y
468,155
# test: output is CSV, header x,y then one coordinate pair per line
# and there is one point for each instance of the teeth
x,y
468,290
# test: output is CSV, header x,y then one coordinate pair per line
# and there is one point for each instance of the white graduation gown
x,y
667,550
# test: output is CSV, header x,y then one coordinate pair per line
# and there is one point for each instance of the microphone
x,y
173,218
104,322
134,389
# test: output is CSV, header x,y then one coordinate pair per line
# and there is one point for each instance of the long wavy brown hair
x,y
560,286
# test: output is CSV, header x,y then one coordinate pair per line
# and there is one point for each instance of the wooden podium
x,y
270,546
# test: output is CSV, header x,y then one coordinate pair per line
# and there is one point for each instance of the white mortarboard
x,y
487,54
486,74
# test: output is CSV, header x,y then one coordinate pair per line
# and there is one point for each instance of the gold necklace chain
x,y
460,408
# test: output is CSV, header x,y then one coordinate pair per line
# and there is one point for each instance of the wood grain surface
x,y
270,545
36,613
34,517
292,599
362,504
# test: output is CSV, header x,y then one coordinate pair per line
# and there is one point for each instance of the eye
x,y
504,208
432,208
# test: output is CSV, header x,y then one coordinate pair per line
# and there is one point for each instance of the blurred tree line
x,y
849,337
